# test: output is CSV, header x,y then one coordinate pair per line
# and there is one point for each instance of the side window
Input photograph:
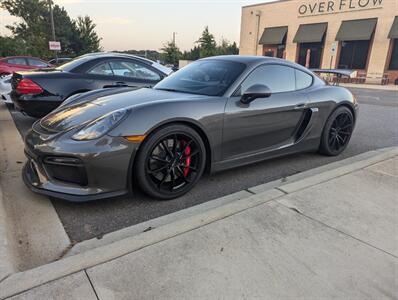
x,y
303,80
133,70
36,62
17,61
102,69
278,78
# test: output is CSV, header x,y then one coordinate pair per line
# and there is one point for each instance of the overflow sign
x,y
55,46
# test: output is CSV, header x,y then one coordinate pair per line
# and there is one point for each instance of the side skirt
x,y
303,146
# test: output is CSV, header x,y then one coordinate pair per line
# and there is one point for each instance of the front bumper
x,y
99,169
6,98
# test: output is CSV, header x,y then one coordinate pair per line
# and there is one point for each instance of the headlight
x,y
100,126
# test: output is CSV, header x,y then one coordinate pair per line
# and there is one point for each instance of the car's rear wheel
x,y
170,162
337,132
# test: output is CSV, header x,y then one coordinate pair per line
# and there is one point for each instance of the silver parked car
x,y
5,88
214,114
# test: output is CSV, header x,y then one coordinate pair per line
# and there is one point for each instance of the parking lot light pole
x,y
52,26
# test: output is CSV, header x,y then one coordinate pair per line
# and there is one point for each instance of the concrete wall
x,y
286,13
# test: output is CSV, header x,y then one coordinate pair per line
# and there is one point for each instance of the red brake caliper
x,y
187,154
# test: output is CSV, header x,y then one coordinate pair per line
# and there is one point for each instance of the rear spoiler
x,y
338,72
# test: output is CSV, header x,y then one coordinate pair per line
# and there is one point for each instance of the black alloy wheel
x,y
170,162
337,132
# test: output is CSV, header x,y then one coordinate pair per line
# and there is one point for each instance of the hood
x,y
82,113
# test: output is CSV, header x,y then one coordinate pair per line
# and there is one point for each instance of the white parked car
x,y
5,88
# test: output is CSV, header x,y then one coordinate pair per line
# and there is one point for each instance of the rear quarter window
x,y
303,80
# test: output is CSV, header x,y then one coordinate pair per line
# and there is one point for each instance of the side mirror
x,y
254,92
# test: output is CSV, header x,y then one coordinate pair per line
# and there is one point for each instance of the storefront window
x,y
274,51
394,56
354,55
279,52
315,54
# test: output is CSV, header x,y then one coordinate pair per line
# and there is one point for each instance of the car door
x,y
133,73
265,123
100,76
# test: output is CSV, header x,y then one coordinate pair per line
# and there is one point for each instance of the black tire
x,y
337,132
162,169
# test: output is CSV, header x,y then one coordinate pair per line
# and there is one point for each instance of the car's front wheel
x,y
170,162
337,132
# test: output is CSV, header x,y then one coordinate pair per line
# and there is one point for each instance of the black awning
x,y
273,35
394,29
310,33
356,30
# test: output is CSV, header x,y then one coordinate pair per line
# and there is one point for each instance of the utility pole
x,y
174,45
52,26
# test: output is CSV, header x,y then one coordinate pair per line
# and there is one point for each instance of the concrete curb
x,y
155,223
7,260
339,168
188,212
23,281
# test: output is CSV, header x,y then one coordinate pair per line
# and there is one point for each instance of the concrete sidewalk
x,y
333,235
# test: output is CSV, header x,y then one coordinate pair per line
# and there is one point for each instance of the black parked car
x,y
38,92
59,61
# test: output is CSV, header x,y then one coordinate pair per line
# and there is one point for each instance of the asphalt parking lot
x,y
376,128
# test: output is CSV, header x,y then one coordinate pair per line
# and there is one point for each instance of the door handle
x,y
300,106
120,83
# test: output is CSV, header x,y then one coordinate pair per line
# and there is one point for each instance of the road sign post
x,y
333,51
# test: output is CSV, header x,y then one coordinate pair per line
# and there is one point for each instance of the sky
x,y
148,24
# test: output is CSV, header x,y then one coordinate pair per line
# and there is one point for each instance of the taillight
x,y
27,86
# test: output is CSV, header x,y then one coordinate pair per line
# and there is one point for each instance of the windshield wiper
x,y
178,91
170,90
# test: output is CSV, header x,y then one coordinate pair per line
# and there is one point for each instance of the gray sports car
x,y
214,114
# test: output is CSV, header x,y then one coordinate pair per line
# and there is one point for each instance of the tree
x,y
34,31
11,46
226,48
193,54
207,43
171,52
150,54
86,39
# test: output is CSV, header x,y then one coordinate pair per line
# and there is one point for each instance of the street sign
x,y
333,49
55,46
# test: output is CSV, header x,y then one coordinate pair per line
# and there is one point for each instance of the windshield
x,y
210,78
70,65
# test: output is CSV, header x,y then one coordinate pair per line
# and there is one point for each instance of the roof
x,y
17,56
245,59
256,60
265,3
117,54
253,60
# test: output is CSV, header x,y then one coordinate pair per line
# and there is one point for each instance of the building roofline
x,y
265,3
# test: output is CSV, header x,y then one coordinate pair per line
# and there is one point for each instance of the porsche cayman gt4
x,y
214,114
